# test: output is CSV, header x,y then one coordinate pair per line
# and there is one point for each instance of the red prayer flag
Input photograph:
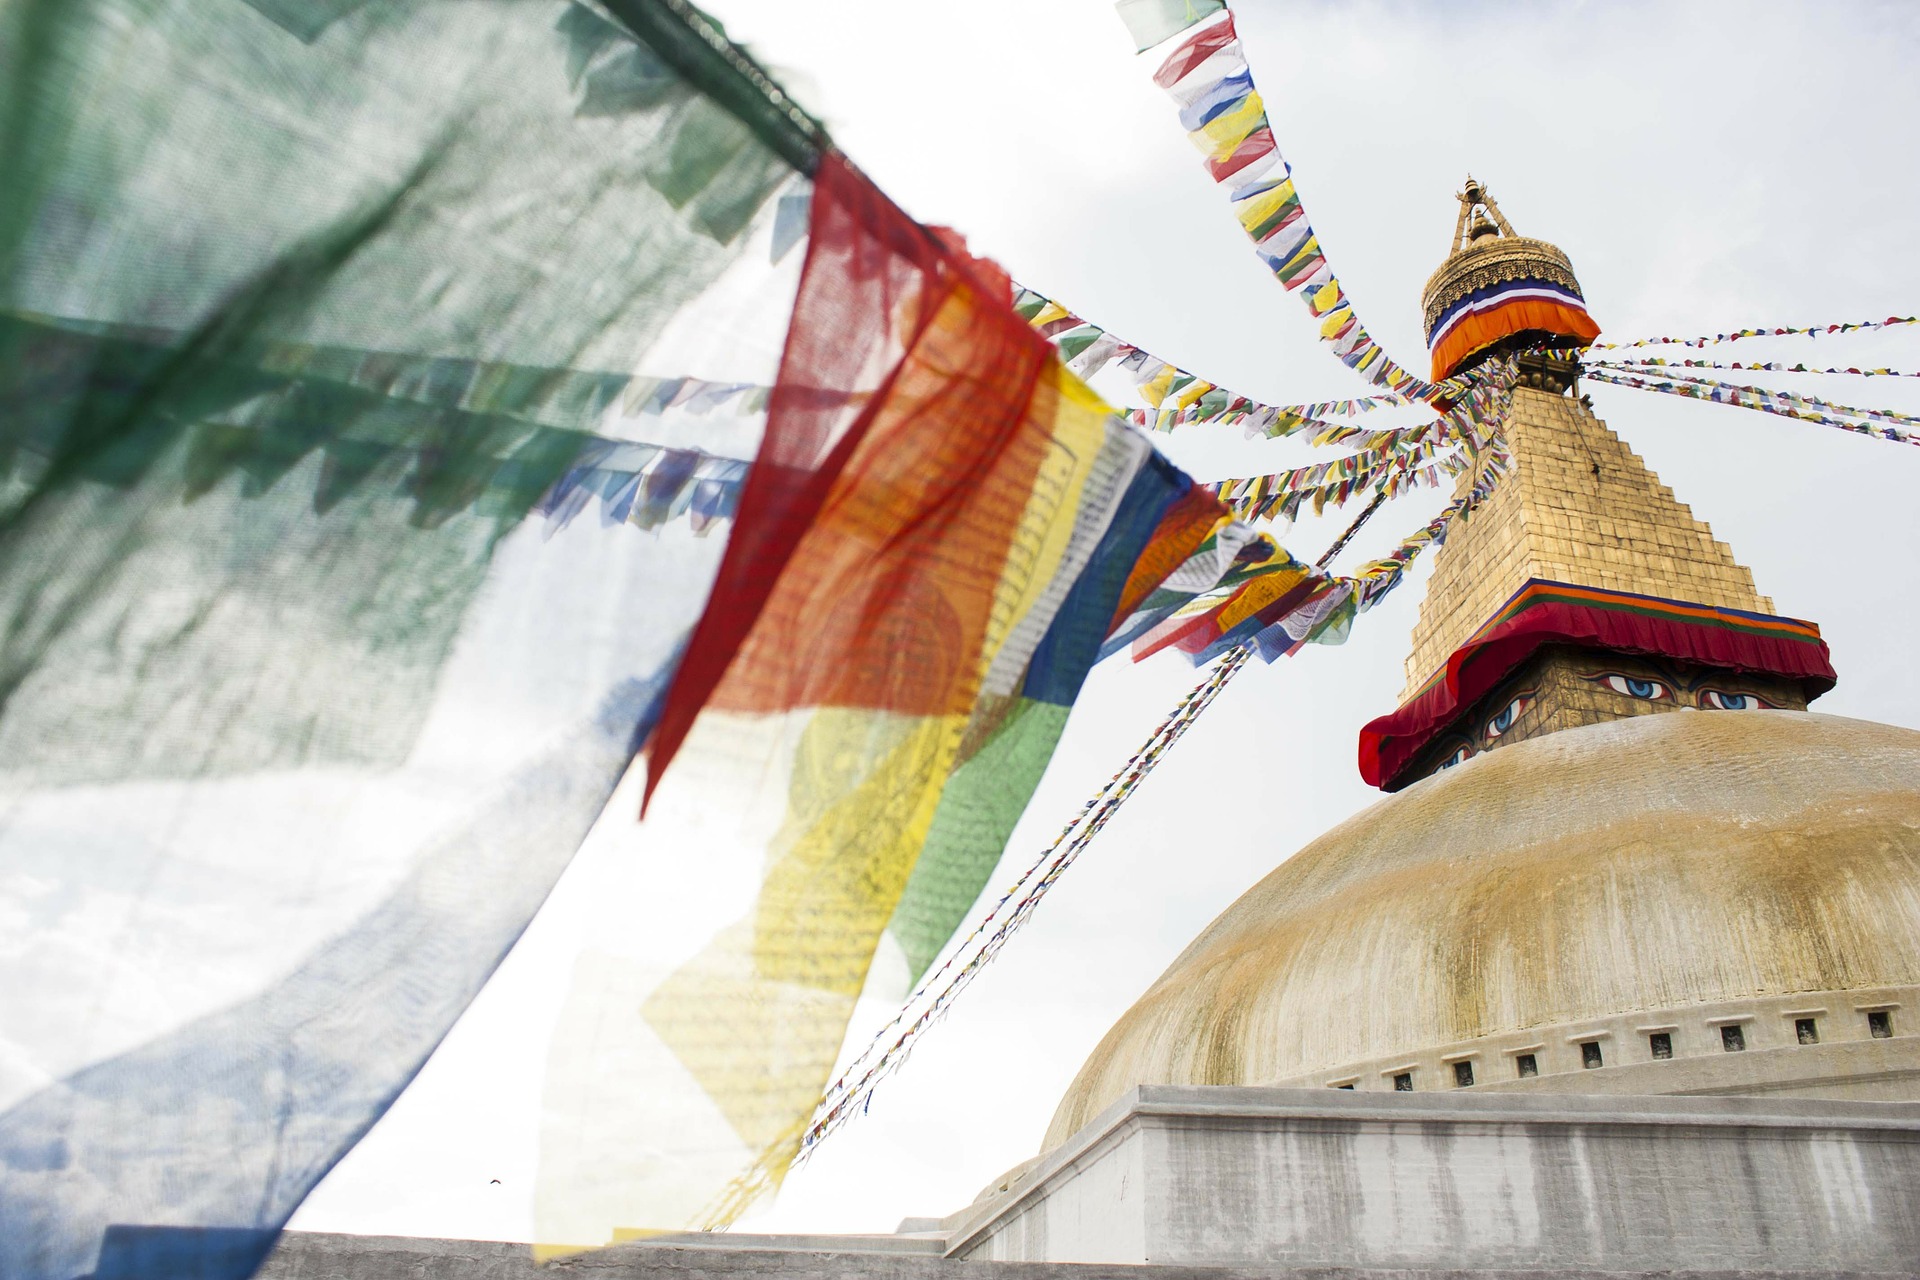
x,y
1257,145
1203,44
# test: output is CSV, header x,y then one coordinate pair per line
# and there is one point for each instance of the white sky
x,y
1706,166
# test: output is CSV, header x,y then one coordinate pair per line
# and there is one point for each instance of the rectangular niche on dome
x,y
1879,1018
1733,1035
1806,1024
1401,1076
1592,1055
1526,1060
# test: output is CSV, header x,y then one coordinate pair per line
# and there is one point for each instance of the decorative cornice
x,y
1494,260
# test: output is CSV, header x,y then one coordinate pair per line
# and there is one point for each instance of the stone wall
x,y
312,1256
1324,1178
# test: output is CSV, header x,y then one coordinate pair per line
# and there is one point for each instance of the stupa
x,y
1623,977
1635,927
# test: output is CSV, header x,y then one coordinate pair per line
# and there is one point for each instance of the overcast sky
x,y
1706,166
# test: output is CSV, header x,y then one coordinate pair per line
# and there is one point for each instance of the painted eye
x,y
1638,687
1727,700
1460,756
1508,714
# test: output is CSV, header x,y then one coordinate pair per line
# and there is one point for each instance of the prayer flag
x,y
1152,22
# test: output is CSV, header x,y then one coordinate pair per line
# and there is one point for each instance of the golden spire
x,y
1577,506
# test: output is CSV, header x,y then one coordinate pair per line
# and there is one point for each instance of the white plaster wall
x,y
1231,1176
1093,1209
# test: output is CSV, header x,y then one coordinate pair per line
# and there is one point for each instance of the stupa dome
x,y
1605,886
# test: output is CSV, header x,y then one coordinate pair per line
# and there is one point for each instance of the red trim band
x,y
1543,613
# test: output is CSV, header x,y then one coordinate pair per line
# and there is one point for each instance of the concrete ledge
x,y
1316,1178
316,1256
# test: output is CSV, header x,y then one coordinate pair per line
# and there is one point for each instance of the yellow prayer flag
x,y
1154,390
1199,388
1219,136
1259,208
1048,314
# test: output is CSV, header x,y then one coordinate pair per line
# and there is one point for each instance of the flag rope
x,y
842,1099
1707,340
1749,366
1804,408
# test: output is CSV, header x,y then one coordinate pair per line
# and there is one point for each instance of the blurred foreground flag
x,y
944,487
409,411
309,685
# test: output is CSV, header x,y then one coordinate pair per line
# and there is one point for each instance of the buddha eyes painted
x,y
1508,714
1461,755
1645,688
1728,700
1708,698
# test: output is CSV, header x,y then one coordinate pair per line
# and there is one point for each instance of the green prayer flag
x,y
1151,21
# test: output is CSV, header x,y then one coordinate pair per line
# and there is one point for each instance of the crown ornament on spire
x,y
1498,291
1475,198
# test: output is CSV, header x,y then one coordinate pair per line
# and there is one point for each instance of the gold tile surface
x,y
1577,506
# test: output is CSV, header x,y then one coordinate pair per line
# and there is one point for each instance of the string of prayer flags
x,y
1751,366
645,485
1212,622
1374,439
1279,614
1390,461
1230,554
1798,401
1176,397
1281,494
1381,576
1815,330
1785,404
1208,77
1173,616
1349,408
905,613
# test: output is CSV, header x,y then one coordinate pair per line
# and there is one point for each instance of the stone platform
x,y
1317,1178
1178,1183
307,1256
